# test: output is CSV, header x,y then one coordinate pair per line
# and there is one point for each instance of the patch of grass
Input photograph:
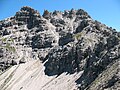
x,y
12,39
4,39
78,36
8,47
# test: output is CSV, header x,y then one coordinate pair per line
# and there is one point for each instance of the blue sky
x,y
105,11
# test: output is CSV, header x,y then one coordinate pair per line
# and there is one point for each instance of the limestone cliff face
x,y
58,51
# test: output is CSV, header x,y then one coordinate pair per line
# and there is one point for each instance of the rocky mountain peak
x,y
28,15
58,50
29,9
46,14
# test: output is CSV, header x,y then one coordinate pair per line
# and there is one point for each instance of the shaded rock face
x,y
111,40
46,14
66,39
1,53
61,60
83,24
40,42
66,42
6,60
5,32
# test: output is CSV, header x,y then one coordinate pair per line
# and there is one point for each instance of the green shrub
x,y
4,39
78,36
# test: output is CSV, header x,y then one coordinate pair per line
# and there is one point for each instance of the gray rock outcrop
x,y
62,43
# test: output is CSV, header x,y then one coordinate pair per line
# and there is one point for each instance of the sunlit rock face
x,y
58,51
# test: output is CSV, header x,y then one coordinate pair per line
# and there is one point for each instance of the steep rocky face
x,y
28,16
63,45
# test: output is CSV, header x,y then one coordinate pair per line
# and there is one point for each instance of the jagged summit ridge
x,y
28,16
29,9
66,14
58,50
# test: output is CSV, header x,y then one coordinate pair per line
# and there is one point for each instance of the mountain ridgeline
x,y
58,51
